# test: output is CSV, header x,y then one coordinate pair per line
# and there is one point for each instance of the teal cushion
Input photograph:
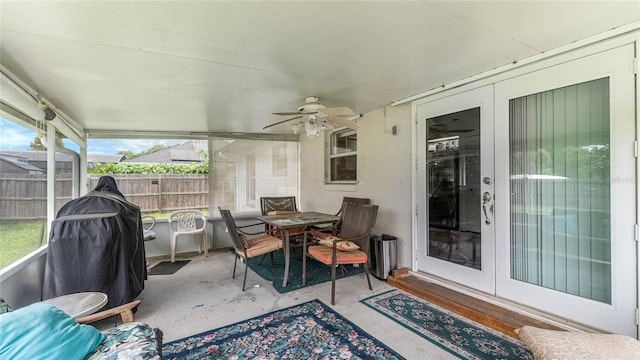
x,y
42,331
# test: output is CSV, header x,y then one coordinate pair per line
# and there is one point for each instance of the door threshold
x,y
490,311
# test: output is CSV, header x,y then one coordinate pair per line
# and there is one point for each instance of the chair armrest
x,y
125,311
253,233
340,239
250,225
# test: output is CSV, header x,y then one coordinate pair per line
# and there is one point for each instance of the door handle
x,y
486,197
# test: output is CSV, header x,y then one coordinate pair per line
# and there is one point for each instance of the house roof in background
x,y
19,162
185,153
35,155
104,158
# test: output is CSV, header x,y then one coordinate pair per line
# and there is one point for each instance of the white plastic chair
x,y
188,222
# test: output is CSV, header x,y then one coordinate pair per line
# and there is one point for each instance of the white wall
x,y
384,174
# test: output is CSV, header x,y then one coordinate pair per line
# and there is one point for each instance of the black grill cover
x,y
96,244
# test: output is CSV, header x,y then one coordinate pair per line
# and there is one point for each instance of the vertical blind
x,y
560,189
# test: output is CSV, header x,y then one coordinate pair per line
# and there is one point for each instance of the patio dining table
x,y
286,222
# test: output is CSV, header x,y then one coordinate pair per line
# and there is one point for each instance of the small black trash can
x,y
382,250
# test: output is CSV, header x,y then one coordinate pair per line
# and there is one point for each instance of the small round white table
x,y
79,304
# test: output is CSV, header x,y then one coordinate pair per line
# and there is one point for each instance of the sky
x,y
16,137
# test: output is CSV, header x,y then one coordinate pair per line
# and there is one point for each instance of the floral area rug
x,y
307,331
458,335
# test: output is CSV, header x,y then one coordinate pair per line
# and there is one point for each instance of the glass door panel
x,y
455,195
453,186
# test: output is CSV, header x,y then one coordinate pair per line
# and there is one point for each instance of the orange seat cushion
x,y
324,254
321,235
261,245
292,232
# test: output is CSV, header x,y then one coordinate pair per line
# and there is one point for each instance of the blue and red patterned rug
x,y
307,331
458,335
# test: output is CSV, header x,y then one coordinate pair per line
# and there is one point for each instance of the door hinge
x,y
635,65
635,232
635,148
637,316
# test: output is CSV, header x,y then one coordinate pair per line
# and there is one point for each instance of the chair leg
x,y
205,244
304,268
173,248
304,260
205,240
343,270
366,271
333,284
234,266
246,270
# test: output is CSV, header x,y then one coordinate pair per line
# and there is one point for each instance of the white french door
x,y
567,185
527,189
455,191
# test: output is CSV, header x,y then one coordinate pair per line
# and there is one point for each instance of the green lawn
x,y
17,239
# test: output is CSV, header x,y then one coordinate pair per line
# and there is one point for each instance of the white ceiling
x,y
210,66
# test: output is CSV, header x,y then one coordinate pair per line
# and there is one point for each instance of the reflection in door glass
x,y
453,187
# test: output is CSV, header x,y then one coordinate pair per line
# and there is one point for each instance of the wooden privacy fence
x,y
24,197
162,192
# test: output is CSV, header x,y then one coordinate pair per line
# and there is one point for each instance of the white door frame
x,y
483,279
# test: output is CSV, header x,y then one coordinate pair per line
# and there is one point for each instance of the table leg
x,y
304,259
286,258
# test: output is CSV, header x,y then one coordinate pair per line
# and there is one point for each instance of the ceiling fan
x,y
315,117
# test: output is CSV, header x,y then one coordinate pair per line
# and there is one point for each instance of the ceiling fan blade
x,y
287,113
342,122
282,122
339,111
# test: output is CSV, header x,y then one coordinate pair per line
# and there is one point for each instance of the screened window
x,y
244,170
343,156
162,175
23,191
280,160
158,175
251,179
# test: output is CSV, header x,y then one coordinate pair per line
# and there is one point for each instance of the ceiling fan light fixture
x,y
297,127
311,126
327,125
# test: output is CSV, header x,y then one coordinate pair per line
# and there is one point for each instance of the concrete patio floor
x,y
202,296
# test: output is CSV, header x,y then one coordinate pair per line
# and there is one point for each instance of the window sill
x,y
341,186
